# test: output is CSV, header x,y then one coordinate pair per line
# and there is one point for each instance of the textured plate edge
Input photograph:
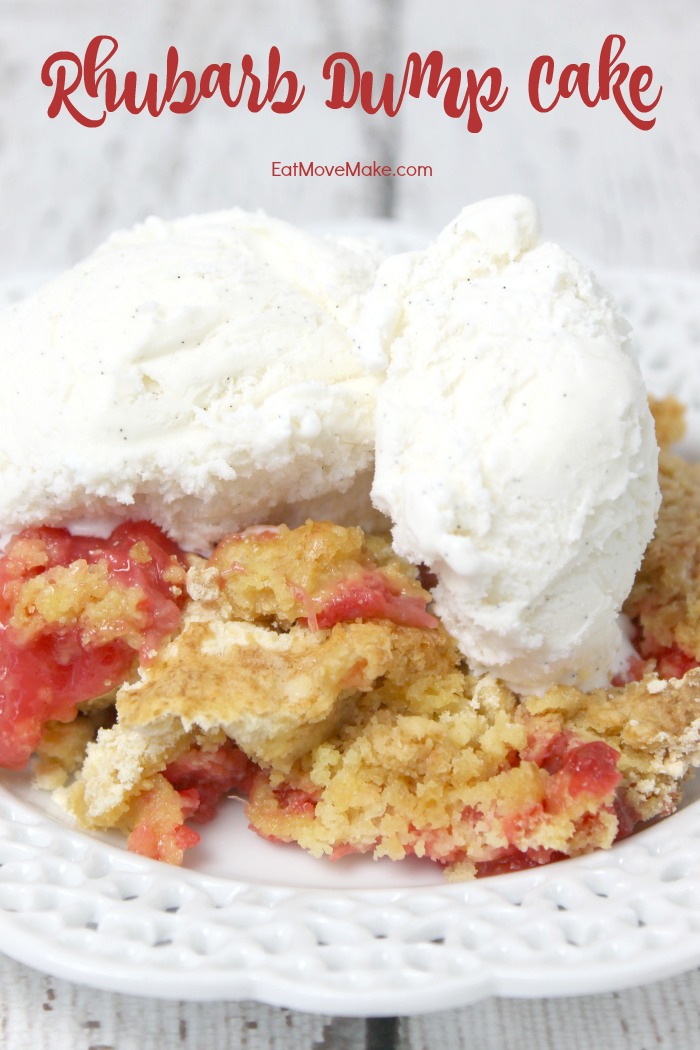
x,y
541,980
277,992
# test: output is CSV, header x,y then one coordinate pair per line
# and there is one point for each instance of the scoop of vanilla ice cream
x,y
515,449
199,373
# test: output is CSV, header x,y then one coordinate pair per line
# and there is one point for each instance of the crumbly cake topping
x,y
669,420
276,694
655,725
62,748
665,598
452,770
308,676
280,576
118,766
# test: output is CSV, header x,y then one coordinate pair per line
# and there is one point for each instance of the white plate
x,y
252,920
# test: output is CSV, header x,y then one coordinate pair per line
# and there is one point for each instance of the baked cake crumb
x,y
303,671
371,736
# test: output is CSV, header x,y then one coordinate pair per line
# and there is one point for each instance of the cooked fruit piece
x,y
320,573
75,614
463,773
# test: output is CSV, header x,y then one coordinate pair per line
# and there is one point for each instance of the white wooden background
x,y
617,194
42,1013
614,194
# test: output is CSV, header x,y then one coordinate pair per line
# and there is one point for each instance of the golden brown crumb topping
x,y
277,576
83,596
372,736
665,598
61,751
669,420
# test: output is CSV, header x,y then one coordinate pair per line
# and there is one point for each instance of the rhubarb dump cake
x,y
393,510
303,672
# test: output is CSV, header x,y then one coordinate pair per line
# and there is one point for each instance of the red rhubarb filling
x,y
575,771
75,612
189,789
371,597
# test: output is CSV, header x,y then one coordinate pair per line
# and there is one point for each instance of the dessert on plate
x,y
394,512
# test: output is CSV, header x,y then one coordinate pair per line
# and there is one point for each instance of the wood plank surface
x,y
616,194
662,1016
49,1014
66,187
43,1013
606,190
